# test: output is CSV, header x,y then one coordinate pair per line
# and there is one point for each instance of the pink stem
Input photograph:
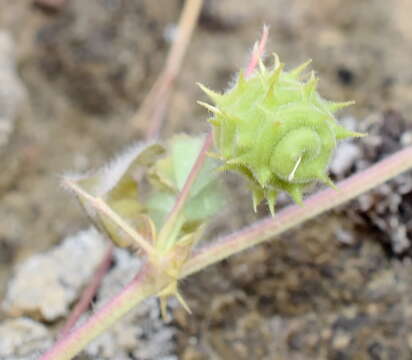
x,y
89,292
184,194
295,215
209,138
258,51
141,287
147,283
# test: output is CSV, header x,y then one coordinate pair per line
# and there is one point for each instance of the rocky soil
x,y
71,77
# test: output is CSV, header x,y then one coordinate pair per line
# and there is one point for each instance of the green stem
x,y
149,283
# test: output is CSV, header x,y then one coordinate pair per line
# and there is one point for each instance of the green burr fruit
x,y
276,130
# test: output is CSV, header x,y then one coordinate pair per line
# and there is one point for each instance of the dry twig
x,y
153,109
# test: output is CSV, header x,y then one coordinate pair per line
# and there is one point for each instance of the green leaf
x,y
185,150
168,177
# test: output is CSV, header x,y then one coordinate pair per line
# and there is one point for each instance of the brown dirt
x,y
87,67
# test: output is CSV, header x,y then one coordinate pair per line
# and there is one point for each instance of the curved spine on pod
x,y
276,130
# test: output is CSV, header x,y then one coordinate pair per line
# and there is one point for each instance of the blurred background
x,y
72,75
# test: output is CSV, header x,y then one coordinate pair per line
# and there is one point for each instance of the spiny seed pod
x,y
277,130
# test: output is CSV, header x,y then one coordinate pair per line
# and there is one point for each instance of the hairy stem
x,y
161,89
258,50
184,194
147,283
173,216
295,214
142,286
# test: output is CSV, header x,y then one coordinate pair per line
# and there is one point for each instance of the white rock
x,y
346,155
22,339
349,122
46,284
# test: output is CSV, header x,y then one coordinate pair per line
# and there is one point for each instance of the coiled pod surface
x,y
276,130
